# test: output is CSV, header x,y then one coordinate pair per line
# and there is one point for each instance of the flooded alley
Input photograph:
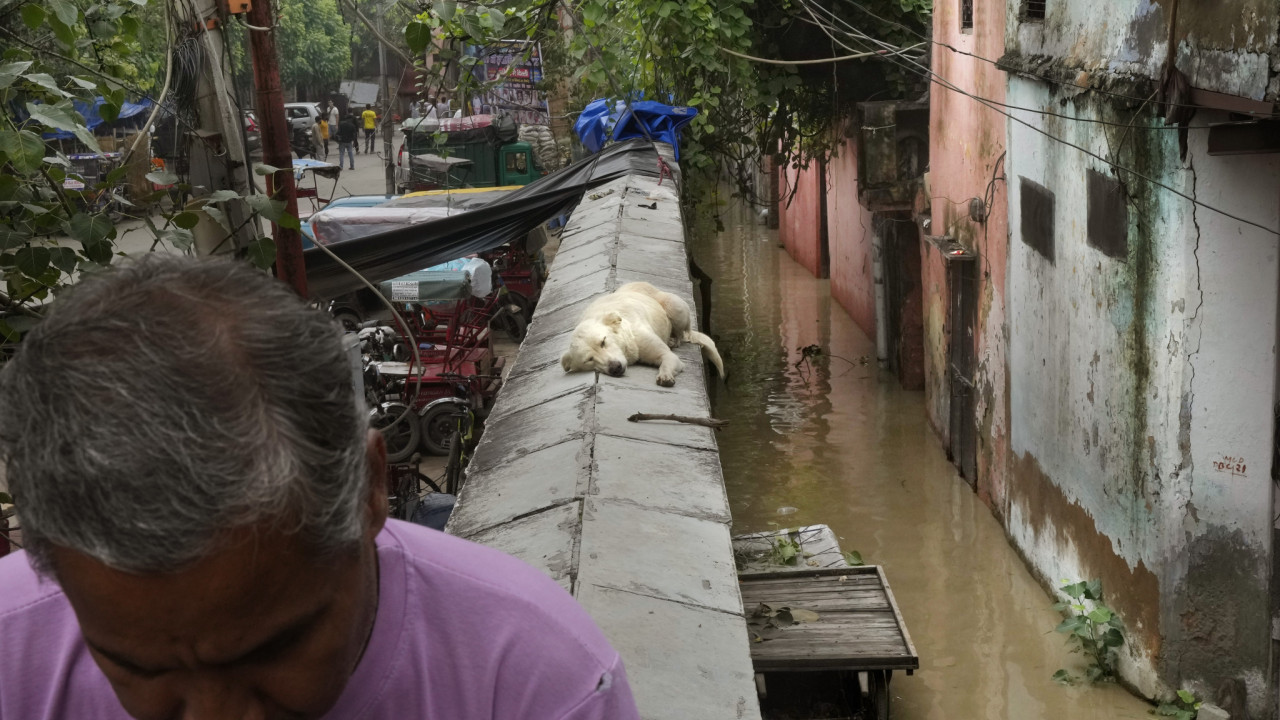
x,y
852,450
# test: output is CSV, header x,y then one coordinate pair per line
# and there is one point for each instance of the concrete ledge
x,y
631,518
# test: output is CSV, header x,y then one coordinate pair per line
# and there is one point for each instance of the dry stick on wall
x,y
705,422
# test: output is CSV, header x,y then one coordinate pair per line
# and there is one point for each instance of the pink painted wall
x,y
849,230
966,139
800,221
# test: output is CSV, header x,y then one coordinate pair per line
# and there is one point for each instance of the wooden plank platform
x,y
858,626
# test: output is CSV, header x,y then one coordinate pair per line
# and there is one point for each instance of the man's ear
x,y
613,320
376,504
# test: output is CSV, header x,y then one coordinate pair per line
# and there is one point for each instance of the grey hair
x,y
166,402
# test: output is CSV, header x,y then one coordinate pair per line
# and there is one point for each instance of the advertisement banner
x,y
517,75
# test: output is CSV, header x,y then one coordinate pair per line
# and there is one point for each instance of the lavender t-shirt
x,y
462,632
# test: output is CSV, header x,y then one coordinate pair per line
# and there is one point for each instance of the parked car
x,y
302,115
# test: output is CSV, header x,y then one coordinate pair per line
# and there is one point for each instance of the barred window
x,y
966,15
1033,10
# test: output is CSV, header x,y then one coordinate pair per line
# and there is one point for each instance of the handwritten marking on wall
x,y
1231,465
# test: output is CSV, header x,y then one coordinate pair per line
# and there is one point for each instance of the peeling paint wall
x,y
1223,45
849,232
799,220
1141,390
966,141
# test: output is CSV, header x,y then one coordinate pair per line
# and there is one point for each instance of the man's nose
x,y
616,368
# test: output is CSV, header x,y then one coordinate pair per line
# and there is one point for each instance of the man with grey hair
x,y
204,510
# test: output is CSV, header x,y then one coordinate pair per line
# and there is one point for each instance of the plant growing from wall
x,y
1185,706
1092,629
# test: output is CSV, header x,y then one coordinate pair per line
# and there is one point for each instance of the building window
x,y
1037,217
966,15
1033,10
1108,216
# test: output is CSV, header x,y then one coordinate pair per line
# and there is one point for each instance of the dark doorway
x,y
904,300
963,284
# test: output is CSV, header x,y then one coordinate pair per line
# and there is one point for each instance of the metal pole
x,y
388,109
275,143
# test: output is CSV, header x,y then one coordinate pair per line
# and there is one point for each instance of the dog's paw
x,y
666,380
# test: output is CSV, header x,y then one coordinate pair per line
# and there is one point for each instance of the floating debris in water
x,y
786,510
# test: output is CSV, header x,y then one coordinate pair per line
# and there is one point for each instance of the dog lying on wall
x,y
637,323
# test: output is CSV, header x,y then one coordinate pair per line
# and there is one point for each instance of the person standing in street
x,y
347,140
320,138
370,119
322,121
332,114
442,107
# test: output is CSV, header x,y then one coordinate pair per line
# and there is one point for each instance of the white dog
x,y
637,323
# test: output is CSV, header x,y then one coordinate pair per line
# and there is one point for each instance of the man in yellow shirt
x,y
370,122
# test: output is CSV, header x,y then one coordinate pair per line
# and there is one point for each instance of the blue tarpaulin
x,y
604,120
92,118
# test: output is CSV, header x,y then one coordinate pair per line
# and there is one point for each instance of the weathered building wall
x,y
1142,376
849,230
966,145
800,216
1223,46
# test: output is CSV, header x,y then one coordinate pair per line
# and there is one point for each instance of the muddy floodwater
x,y
845,446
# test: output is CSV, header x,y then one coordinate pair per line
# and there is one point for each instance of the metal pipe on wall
x,y
877,276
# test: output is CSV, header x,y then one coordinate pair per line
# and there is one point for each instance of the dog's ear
x,y
613,320
566,361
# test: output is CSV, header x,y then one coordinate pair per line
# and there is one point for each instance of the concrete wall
x,y
632,518
966,145
799,216
849,230
1141,390
1222,45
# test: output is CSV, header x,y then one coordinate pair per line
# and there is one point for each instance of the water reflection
x,y
846,447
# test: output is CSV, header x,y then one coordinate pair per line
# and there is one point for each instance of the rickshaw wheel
x,y
513,324
401,437
349,321
438,425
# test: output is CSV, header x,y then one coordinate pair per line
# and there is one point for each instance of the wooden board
x,y
858,626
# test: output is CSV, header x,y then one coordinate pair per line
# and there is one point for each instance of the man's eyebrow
x,y
280,641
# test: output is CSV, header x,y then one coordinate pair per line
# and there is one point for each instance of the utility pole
x,y
220,126
276,150
388,107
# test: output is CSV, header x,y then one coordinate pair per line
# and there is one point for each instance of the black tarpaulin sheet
x,y
399,252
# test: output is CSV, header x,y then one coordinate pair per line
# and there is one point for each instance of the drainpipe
x,y
877,276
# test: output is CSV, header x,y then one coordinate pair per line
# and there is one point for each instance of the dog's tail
x,y
708,349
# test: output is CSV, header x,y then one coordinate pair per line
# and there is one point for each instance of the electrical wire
x,y
934,77
818,61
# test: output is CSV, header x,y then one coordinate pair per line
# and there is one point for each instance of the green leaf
x,y
853,557
91,229
1100,615
64,32
266,207
1093,589
222,196
64,259
186,220
53,116
417,36
446,10
180,238
1071,624
99,252
12,237
46,81
1074,590
1187,697
6,498
289,221
32,260
109,111
471,26
65,10
32,15
497,21
1063,677
261,252
10,71
24,148
265,169
1059,607
1112,638
162,177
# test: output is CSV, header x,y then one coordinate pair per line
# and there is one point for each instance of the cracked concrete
x,y
632,518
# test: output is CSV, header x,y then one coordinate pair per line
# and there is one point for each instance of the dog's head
x,y
595,347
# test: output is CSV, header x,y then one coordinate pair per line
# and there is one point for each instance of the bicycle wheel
x,y
399,429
